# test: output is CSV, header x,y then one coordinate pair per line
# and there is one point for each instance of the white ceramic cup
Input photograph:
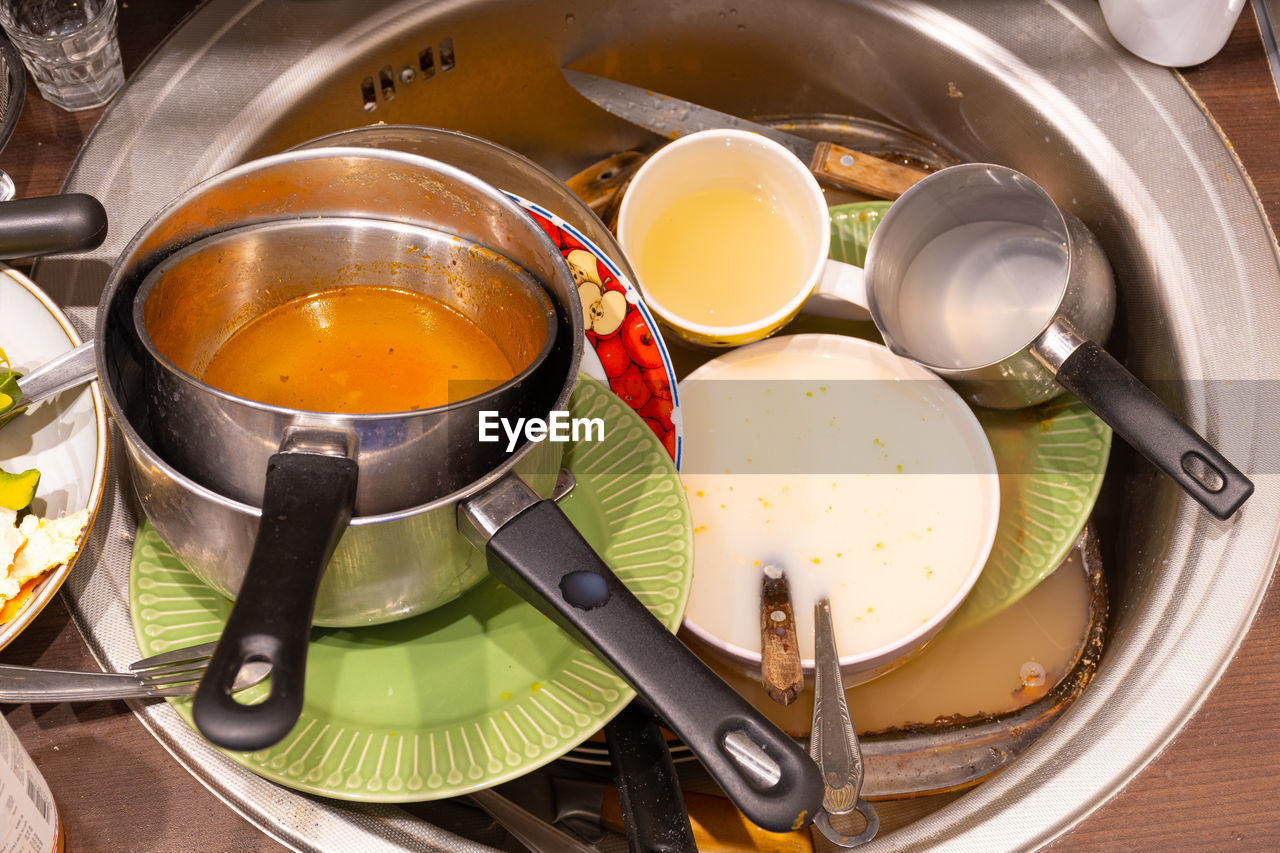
x,y
1176,33
741,160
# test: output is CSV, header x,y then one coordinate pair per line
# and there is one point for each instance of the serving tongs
x,y
833,743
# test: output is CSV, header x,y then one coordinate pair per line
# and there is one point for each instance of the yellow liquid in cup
x,y
721,257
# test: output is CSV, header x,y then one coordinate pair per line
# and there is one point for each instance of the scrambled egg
x,y
35,546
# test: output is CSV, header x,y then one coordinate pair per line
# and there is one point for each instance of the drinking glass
x,y
69,46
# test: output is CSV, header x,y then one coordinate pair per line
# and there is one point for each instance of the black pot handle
x,y
540,556
50,224
653,809
308,502
1150,427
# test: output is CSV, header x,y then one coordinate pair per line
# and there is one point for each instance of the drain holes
x,y
427,58
384,86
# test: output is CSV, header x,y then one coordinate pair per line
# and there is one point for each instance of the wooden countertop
x,y
1214,788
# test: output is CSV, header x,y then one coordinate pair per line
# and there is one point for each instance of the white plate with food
x,y
64,438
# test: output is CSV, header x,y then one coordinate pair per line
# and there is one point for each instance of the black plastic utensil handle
x,y
1150,427
50,224
308,502
540,556
653,809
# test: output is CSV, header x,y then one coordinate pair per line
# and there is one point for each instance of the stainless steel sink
x,y
1039,87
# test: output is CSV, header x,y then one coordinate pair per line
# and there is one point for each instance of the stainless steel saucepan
x,y
977,274
191,304
405,558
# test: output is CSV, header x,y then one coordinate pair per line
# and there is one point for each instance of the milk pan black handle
x,y
44,226
540,555
308,502
1150,427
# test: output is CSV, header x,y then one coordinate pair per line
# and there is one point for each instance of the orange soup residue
x,y
359,349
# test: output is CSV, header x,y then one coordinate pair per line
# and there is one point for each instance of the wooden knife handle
x,y
862,172
718,827
780,663
600,183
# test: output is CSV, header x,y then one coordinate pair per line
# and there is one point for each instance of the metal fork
x,y
174,673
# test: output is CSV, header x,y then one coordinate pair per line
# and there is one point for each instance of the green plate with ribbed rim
x,y
1051,459
477,691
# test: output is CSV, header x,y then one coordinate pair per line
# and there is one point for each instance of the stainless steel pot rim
x,y
314,417
895,212
416,132
138,269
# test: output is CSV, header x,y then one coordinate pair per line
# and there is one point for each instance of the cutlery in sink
x,y
174,673
781,670
833,741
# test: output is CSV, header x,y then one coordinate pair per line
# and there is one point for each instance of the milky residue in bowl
x,y
869,484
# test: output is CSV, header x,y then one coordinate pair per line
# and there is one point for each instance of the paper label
x,y
28,817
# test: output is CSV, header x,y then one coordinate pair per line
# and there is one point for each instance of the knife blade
x,y
673,118
1270,35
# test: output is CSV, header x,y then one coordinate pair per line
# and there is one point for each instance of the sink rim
x,y
1196,538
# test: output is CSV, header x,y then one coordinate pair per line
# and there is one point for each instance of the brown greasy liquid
x,y
358,349
966,670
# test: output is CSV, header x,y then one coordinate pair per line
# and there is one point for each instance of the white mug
x,y
728,233
1176,33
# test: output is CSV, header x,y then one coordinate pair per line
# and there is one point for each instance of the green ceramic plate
x,y
473,693
1051,460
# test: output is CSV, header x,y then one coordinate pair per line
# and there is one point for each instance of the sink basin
x,y
1038,87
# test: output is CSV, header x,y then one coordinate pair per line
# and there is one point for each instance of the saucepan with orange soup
x,y
260,345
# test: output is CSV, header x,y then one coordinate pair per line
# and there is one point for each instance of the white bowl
x,y
860,473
